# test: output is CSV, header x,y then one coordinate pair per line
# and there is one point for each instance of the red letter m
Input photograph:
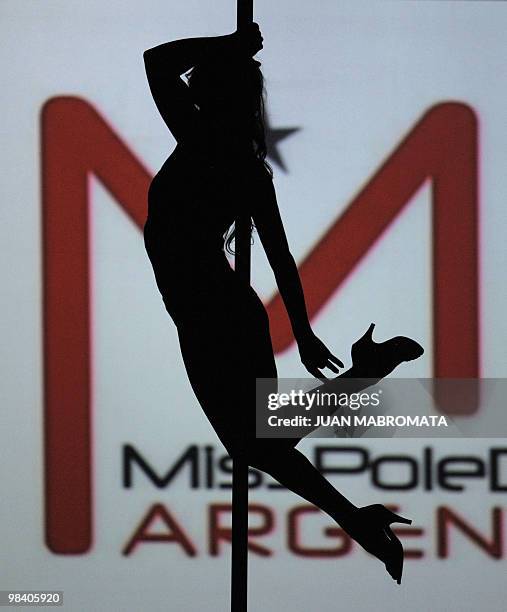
x,y
77,143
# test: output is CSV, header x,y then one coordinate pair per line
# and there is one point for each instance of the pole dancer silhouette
x,y
217,171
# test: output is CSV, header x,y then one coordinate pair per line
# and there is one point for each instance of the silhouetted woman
x,y
218,169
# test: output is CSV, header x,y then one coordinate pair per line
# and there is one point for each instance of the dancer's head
x,y
230,94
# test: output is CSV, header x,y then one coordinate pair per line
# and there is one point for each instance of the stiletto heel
x,y
378,359
370,527
400,519
387,516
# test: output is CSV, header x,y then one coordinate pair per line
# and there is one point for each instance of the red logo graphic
x,y
77,142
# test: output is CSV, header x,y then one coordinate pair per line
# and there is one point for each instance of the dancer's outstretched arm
x,y
314,354
371,361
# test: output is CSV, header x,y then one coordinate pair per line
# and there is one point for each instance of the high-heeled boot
x,y
376,360
370,527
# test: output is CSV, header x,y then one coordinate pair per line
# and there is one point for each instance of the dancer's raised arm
x,y
167,62
164,65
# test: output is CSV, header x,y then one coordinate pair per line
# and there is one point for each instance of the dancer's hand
x,y
316,356
248,39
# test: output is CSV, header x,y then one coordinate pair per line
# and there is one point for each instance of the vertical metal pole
x,y
239,561
243,221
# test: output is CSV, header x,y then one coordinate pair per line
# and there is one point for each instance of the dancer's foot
x,y
370,527
378,359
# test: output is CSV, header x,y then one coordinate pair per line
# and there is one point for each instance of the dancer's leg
x,y
369,525
372,361
230,404
294,471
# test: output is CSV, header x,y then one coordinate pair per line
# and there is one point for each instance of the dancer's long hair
x,y
234,86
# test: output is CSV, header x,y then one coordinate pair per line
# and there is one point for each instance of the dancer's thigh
x,y
223,360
